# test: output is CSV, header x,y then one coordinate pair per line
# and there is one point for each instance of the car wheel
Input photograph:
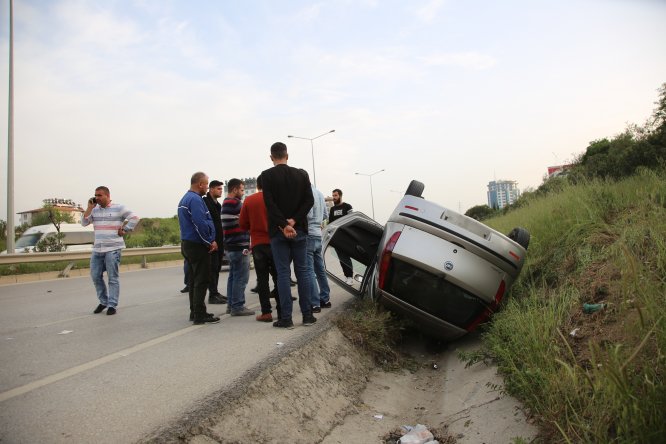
x,y
415,188
521,236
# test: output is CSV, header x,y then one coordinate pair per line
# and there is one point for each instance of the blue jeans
x,y
239,275
109,262
284,251
320,291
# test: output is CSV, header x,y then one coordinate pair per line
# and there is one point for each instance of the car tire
x,y
415,188
520,236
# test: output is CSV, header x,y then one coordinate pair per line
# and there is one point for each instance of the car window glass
x,y
432,294
336,261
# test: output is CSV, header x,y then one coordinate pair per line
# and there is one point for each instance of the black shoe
x,y
217,298
326,304
281,323
207,320
316,310
100,308
255,289
111,311
208,315
274,294
309,320
292,282
185,290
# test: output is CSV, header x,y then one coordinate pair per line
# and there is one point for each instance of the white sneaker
x,y
349,281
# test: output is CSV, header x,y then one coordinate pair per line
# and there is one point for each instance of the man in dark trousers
x,y
338,210
197,243
215,209
253,219
288,199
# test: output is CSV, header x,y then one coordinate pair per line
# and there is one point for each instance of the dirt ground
x,y
327,391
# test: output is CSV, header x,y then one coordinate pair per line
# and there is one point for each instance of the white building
x,y
502,193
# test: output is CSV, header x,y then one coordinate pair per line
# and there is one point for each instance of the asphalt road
x,y
70,376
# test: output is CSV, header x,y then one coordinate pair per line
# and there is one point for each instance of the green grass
x,y
598,242
376,331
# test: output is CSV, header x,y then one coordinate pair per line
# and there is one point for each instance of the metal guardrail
x,y
26,258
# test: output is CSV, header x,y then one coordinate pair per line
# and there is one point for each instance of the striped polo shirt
x,y
107,221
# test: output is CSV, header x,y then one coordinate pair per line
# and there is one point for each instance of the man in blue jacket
x,y
197,236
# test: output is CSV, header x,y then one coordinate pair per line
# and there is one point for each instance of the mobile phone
x,y
93,200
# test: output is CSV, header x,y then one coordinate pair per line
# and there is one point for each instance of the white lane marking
x,y
4,396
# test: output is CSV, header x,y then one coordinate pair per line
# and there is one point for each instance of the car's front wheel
x,y
521,236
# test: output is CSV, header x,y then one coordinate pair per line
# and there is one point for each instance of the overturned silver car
x,y
445,271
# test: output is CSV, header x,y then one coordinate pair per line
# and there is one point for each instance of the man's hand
x,y
213,247
289,232
121,232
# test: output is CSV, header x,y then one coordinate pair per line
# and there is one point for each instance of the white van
x,y
77,237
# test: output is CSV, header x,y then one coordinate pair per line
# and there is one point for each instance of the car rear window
x,y
432,294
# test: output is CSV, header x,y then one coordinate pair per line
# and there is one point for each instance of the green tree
x,y
51,242
52,216
480,212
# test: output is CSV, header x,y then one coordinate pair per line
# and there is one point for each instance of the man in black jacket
x,y
288,199
215,208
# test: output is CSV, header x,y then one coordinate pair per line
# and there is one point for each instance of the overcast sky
x,y
138,95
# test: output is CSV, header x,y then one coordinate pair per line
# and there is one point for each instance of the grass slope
x,y
595,377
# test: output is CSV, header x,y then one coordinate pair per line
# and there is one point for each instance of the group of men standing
x,y
280,225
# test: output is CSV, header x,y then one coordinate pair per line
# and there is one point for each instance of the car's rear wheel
x,y
521,236
415,188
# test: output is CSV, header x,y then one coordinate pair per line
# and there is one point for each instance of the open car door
x,y
349,248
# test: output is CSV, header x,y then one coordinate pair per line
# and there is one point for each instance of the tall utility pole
x,y
10,136
372,198
314,175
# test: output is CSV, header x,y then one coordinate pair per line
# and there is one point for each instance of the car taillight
x,y
500,293
485,315
386,258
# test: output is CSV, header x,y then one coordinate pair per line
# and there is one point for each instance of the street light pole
x,y
10,137
314,174
372,198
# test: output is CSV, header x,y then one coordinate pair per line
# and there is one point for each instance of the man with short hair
x,y
197,234
288,198
253,218
338,210
236,246
215,210
320,290
111,221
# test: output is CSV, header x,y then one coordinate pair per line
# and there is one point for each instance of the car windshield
x,y
28,240
432,294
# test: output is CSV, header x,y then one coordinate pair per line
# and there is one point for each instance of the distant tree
x,y
3,229
636,147
480,212
53,216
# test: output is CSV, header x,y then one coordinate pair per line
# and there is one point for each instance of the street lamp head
x,y
331,131
290,136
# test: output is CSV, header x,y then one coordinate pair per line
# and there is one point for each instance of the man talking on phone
x,y
111,222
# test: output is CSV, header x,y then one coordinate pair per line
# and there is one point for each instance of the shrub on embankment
x,y
597,377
